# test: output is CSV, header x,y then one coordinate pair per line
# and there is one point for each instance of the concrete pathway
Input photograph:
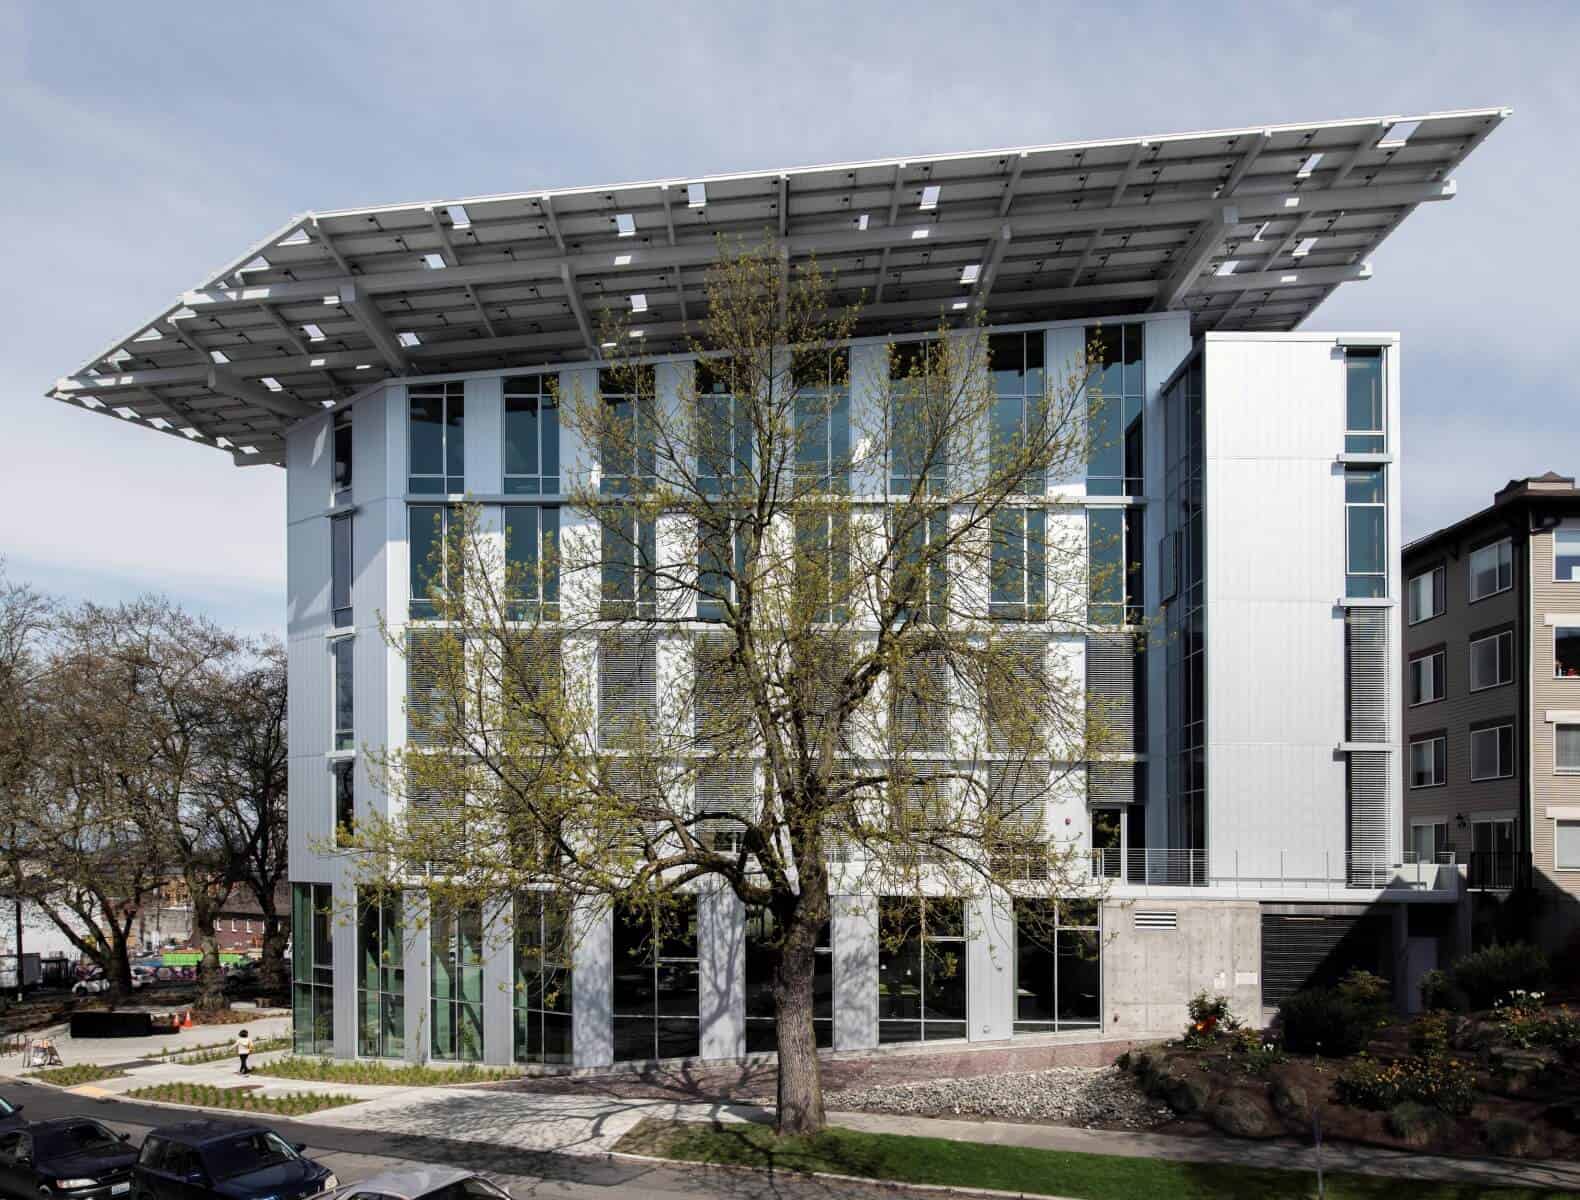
x,y
271,1023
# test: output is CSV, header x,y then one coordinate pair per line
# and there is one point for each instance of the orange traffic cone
x,y
186,1019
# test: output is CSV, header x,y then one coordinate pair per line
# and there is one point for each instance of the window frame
x,y
342,676
1439,676
829,391
1558,632
545,400
1021,555
1497,544
924,939
1433,823
543,601
1366,440
342,570
1558,767
448,393
343,776
1572,531
1439,761
1366,584
1505,660
1503,769
532,1008
1438,590
1129,421
1023,386
342,452
447,924
721,409
1560,864
909,399
418,606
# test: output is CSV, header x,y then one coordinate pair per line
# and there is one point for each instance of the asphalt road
x,y
354,1155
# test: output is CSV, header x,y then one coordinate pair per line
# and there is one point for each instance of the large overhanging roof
x,y
1245,229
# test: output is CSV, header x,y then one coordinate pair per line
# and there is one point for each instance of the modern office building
x,y
395,359
1492,698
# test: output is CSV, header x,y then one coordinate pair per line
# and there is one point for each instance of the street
x,y
354,1154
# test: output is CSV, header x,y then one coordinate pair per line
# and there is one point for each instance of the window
x,y
541,998
1566,652
724,432
1427,677
342,457
1114,572
456,977
340,571
921,969
627,691
822,413
1366,532
1491,853
532,436
626,455
1018,567
437,436
656,986
1015,361
312,968
1566,749
1427,595
1492,752
345,737
630,556
532,571
721,563
1363,421
345,801
381,975
1566,845
919,419
1566,555
1492,660
822,565
762,954
1058,966
1116,391
430,538
921,570
1491,570
1429,762
1429,841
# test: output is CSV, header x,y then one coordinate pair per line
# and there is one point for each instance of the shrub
x,y
1439,991
1522,1021
1416,1123
1432,1033
1367,992
1487,975
1509,1137
1209,1017
1442,1083
1254,1053
1321,1021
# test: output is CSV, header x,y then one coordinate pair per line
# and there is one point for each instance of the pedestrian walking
x,y
243,1049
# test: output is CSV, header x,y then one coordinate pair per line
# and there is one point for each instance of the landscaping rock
x,y
1416,1124
1510,1138
1565,1116
1186,1094
1076,1095
1239,1114
1291,1102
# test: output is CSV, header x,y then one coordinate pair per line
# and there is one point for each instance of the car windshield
x,y
246,1152
5,1107
475,1188
84,1137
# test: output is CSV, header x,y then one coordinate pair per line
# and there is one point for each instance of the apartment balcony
x,y
1497,870
1269,874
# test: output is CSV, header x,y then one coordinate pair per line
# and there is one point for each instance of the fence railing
x,y
1281,870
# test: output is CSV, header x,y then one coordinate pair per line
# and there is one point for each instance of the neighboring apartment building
x,y
394,360
1492,696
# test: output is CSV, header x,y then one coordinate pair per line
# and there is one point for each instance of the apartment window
x,y
1566,845
340,571
1491,570
1566,555
630,555
1492,660
456,977
437,437
656,985
1429,762
1492,752
921,969
724,431
1427,677
1058,966
921,567
822,415
626,455
1015,361
822,564
762,944
541,998
345,783
434,559
532,572
1566,652
1116,391
1364,408
312,968
381,975
1566,749
342,457
1491,853
532,436
919,419
1114,547
345,737
721,562
1018,567
1427,595
1429,841
1366,532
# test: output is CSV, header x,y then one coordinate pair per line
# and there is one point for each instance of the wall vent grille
x,y
1156,918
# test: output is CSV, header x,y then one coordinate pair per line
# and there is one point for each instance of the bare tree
x,y
803,629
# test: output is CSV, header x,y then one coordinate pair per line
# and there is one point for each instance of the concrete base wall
x,y
1151,973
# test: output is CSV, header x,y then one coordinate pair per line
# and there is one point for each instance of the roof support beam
x,y
1352,160
1086,255
990,269
289,334
784,205
327,241
1253,151
225,383
366,314
446,246
894,215
1011,184
546,203
1128,174
669,212
482,313
574,298
1206,242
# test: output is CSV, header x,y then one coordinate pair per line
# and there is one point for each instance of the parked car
x,y
425,1183
69,1156
199,1160
10,1115
97,981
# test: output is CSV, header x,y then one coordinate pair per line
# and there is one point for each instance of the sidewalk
x,y
114,1051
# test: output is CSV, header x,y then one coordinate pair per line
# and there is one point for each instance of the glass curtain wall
x,y
1183,590
541,995
438,439
312,968
381,975
656,986
1116,388
456,979
761,1021
1058,966
921,969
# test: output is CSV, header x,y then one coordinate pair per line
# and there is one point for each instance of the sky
x,y
142,146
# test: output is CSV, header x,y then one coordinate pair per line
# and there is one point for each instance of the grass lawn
x,y
1018,1169
240,1099
332,1071
72,1076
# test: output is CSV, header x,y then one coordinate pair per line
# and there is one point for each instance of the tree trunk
x,y
272,969
211,974
119,966
800,1074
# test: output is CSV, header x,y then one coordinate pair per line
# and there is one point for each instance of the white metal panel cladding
x,y
1366,652
627,689
1369,857
1111,683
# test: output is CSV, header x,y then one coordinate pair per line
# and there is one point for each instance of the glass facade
x,y
724,433
340,569
1015,362
1183,566
628,563
532,570
532,436
437,439
1364,409
921,969
345,737
312,968
1018,565
761,958
1365,531
381,975
427,541
541,993
1114,557
456,982
656,988
921,578
626,458
1058,965
918,425
822,414
1116,390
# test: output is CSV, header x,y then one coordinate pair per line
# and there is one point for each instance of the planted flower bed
x,y
240,1099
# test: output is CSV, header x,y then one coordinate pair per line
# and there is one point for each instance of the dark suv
x,y
199,1160
70,1157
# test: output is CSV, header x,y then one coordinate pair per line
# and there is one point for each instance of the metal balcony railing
x,y
1497,870
1274,870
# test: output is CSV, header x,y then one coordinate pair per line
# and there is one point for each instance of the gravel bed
x,y
1067,1095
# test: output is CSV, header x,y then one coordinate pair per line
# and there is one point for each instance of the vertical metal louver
x,y
1111,686
1369,858
1111,783
627,691
725,788
1366,658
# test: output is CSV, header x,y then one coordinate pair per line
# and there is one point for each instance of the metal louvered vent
x,y
1366,655
1369,857
1111,686
725,788
1156,918
1110,783
627,691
